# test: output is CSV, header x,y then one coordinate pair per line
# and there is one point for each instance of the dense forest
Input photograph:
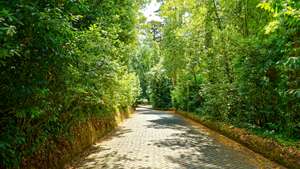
x,y
230,61
66,61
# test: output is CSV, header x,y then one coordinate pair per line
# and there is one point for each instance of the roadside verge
x,y
287,156
58,153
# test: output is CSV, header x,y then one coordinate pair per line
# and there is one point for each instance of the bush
x,y
160,88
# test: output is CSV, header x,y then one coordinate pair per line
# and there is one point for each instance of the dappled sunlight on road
x,y
157,139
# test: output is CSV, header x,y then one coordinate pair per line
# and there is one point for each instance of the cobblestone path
x,y
160,140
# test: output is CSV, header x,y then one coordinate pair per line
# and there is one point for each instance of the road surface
x,y
153,139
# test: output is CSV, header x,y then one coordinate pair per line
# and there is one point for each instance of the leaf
x,y
21,114
266,6
272,27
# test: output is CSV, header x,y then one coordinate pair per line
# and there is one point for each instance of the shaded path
x,y
154,139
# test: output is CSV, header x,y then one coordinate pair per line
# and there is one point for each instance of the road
x,y
153,139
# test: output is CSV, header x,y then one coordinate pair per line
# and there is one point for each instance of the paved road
x,y
161,140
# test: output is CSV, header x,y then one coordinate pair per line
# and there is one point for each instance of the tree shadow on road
x,y
183,146
97,156
101,157
119,132
194,149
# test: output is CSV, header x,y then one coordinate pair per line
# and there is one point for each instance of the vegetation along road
x,y
71,71
157,139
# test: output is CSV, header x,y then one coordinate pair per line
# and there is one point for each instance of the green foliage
x,y
146,57
61,62
244,57
159,88
186,94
